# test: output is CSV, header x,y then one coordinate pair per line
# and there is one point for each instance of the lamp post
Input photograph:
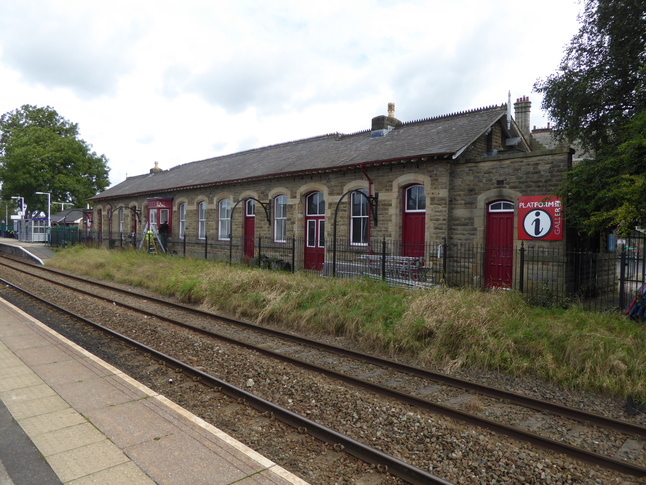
x,y
49,220
20,215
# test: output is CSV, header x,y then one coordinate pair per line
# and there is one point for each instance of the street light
x,y
49,220
22,208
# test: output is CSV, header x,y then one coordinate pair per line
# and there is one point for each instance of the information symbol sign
x,y
537,223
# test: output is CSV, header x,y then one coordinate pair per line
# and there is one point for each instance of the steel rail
x,y
519,399
384,462
537,440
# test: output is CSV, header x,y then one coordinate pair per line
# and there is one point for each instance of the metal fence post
x,y
184,244
383,259
622,277
259,250
445,248
293,253
521,270
206,246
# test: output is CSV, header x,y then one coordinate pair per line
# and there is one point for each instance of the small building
x,y
69,226
69,217
409,187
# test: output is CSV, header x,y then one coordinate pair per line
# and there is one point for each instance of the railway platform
x,y
68,417
35,252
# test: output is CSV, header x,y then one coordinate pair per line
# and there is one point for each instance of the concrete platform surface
x,y
68,417
35,252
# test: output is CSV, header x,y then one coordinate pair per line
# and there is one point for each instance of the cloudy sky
x,y
175,82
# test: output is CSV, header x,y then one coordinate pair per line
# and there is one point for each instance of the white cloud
x,y
175,82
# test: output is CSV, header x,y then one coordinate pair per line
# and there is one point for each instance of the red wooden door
x,y
249,229
499,250
314,253
414,221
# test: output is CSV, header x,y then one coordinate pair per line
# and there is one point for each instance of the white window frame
x,y
181,212
407,197
501,206
163,216
321,240
224,220
360,217
121,220
201,220
320,198
280,218
250,208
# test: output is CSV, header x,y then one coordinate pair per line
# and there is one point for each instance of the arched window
x,y
181,229
415,199
110,214
359,220
316,204
280,218
224,220
501,206
122,221
99,226
201,220
250,208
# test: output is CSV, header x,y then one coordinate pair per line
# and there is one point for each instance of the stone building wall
x,y
457,193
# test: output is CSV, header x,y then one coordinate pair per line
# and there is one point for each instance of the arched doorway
x,y
499,250
414,221
314,254
249,229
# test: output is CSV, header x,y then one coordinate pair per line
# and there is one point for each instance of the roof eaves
x,y
412,158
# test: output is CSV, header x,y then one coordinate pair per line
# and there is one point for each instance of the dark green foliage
x,y
40,151
609,191
597,98
599,84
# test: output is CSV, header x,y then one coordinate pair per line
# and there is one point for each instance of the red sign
x,y
540,218
159,203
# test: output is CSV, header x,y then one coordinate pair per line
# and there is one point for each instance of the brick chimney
x,y
381,125
156,168
522,110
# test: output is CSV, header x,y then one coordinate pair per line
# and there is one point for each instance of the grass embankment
x,y
455,329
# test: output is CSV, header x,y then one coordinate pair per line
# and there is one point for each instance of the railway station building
x,y
405,189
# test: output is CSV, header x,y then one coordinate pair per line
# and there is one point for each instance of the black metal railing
x,y
546,276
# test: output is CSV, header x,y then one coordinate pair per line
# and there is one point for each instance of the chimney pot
x,y
522,109
383,124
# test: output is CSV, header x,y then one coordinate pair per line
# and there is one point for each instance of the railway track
x,y
584,436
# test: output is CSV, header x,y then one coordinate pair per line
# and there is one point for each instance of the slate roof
x,y
68,216
442,136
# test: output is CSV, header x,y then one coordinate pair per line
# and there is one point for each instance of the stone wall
x,y
457,193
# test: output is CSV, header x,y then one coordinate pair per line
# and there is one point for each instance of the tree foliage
x,y
599,84
40,151
597,98
609,191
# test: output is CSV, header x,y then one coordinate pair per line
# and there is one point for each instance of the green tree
x,y
40,151
609,191
597,98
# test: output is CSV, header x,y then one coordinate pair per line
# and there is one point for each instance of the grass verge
x,y
495,330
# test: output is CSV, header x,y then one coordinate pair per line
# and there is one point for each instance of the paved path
x,y
68,417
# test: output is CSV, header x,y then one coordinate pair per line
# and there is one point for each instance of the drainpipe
x,y
363,170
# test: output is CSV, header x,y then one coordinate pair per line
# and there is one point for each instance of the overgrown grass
x,y
454,329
